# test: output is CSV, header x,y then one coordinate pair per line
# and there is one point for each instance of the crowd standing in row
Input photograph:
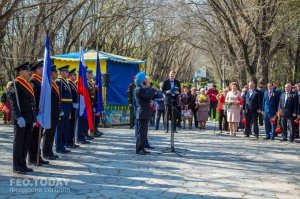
x,y
246,109
67,131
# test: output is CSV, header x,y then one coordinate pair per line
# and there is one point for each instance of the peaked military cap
x,y
53,68
72,72
36,65
64,68
24,66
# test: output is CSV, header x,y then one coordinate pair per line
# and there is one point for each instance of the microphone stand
x,y
171,149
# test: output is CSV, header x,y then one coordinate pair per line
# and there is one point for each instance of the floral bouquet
x,y
240,101
202,100
278,129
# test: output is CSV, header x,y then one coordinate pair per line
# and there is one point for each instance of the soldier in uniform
x,y
72,82
21,96
36,81
66,109
48,138
91,85
130,92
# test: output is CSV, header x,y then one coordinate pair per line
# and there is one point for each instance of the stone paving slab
x,y
213,166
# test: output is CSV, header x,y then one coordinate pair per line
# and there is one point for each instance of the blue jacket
x,y
143,97
270,104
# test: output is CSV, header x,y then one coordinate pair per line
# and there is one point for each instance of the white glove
x,y
75,105
94,110
168,92
61,114
21,122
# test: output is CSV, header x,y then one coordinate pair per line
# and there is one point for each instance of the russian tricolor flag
x,y
44,115
85,105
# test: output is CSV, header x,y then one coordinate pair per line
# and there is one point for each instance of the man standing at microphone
x,y
143,95
171,89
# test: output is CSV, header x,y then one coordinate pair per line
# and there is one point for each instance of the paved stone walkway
x,y
212,166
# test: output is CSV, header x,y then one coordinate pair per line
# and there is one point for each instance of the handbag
x,y
186,113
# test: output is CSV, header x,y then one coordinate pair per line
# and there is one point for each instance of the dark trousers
x,y
69,136
223,118
287,124
152,118
168,117
33,144
82,129
195,117
132,117
159,113
270,128
142,130
178,117
48,138
62,130
213,109
296,129
251,118
20,146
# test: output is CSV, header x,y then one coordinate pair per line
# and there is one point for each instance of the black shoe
x,y
283,140
148,152
267,138
246,136
166,131
44,161
49,158
19,171
141,153
149,147
89,137
61,151
54,156
34,164
26,169
85,142
290,140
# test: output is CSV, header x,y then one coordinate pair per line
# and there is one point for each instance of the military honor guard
x,y
92,91
36,81
73,85
66,102
48,138
22,100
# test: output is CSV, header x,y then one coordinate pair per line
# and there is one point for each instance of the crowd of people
x,y
278,110
20,104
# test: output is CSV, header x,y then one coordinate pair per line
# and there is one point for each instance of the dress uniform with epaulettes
x,y
73,87
36,81
55,110
22,100
65,114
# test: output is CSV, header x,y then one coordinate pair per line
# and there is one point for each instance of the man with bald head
x,y
288,104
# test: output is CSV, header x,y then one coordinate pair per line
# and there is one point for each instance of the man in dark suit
x,y
171,89
289,105
252,108
22,100
269,107
143,95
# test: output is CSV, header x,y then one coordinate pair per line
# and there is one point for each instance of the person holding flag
x,y
22,100
55,110
98,103
92,92
85,106
73,86
36,81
